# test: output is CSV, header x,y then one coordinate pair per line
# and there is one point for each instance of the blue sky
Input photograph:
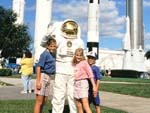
x,y
112,19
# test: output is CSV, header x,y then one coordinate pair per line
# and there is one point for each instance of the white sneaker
x,y
23,92
30,91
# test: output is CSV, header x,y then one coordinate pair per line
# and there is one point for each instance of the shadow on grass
x,y
66,109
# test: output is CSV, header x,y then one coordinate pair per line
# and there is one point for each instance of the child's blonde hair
x,y
78,51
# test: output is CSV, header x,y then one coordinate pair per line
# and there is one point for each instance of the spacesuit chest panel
x,y
66,49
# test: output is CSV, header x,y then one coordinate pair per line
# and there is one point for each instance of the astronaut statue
x,y
67,35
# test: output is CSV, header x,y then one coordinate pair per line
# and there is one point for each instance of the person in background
x,y
109,72
26,72
83,73
91,58
45,69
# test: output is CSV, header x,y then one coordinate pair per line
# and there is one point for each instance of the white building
x,y
110,59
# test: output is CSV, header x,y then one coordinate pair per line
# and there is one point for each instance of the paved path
x,y
127,103
13,93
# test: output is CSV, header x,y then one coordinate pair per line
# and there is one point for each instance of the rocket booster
x,y
126,41
18,8
93,26
134,38
135,14
42,20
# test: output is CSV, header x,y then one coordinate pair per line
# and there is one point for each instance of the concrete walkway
x,y
127,103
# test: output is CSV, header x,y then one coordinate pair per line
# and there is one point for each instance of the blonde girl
x,y
82,72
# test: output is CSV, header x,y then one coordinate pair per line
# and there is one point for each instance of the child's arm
x,y
98,77
91,78
94,86
38,78
97,84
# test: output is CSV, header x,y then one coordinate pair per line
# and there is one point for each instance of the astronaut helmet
x,y
69,29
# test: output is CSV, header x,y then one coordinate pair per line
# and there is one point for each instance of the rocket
x,y
18,8
93,26
134,16
126,40
134,38
42,20
137,41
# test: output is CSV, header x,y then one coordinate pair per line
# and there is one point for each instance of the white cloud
x,y
147,40
111,23
30,8
147,35
147,47
71,9
146,3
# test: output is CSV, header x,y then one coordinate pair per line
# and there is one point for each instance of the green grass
x,y
18,76
113,79
26,106
107,110
136,87
141,90
135,80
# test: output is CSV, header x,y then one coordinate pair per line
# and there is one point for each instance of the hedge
x,y
5,72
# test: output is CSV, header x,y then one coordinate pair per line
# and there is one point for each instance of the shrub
x,y
125,73
5,72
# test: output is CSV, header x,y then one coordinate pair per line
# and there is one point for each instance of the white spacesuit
x,y
67,35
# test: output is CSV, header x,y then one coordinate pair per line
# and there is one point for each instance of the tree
x,y
14,39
